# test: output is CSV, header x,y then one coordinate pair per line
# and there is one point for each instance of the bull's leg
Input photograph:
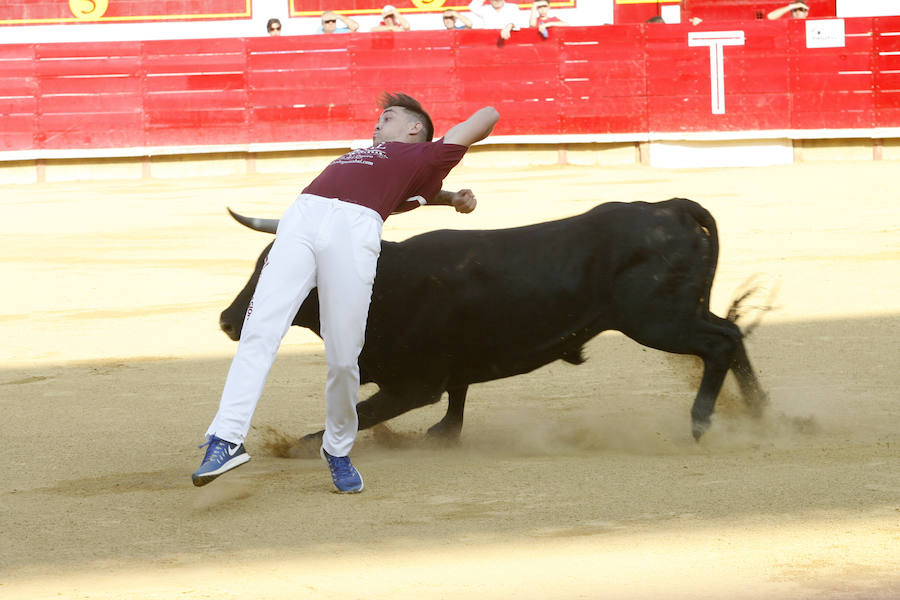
x,y
705,402
717,344
377,408
754,396
383,405
450,426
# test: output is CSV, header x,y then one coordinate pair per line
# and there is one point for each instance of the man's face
x,y
498,4
393,125
799,13
390,20
329,22
543,9
449,22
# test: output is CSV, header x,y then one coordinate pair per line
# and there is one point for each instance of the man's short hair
x,y
410,104
540,3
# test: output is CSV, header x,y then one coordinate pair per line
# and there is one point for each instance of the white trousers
x,y
323,243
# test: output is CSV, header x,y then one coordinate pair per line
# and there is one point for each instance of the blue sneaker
x,y
346,478
221,456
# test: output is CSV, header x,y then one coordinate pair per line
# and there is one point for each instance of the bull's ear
x,y
263,225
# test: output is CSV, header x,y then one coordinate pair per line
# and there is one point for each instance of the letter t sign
x,y
716,40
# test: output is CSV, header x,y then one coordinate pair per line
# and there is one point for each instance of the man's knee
x,y
342,369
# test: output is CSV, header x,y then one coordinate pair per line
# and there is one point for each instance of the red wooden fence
x,y
629,80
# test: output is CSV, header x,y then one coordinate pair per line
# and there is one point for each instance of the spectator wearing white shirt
x,y
497,14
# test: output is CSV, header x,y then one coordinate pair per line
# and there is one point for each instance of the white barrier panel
x,y
867,8
739,153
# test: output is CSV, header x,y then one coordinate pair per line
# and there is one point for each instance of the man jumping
x,y
330,238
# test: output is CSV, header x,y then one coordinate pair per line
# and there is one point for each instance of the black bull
x,y
453,308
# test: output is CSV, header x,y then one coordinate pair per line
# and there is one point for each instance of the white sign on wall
x,y
827,33
670,13
716,40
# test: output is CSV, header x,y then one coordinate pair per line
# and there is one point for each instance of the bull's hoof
x,y
757,407
307,446
698,428
444,432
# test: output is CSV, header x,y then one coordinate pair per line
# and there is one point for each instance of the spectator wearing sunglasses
x,y
329,23
798,10
273,27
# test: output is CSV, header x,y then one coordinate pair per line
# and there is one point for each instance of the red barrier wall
x,y
631,80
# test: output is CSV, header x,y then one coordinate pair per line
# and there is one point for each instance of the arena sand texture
x,y
569,482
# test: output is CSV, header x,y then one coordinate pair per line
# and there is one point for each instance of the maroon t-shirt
x,y
389,175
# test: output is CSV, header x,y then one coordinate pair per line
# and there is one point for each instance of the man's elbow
x,y
491,114
489,117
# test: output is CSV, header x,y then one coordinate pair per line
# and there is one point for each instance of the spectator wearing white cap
x,y
541,18
497,14
391,20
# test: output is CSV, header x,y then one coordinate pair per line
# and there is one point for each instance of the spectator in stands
x,y
273,27
798,10
497,14
450,18
658,19
391,20
329,23
541,19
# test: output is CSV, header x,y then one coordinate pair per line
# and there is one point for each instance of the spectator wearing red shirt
x,y
541,18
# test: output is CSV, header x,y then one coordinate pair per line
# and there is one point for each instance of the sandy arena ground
x,y
570,482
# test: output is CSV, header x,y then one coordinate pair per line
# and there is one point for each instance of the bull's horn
x,y
264,225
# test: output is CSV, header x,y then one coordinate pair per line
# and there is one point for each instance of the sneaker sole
x,y
361,486
201,480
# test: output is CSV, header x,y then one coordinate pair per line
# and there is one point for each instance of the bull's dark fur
x,y
453,308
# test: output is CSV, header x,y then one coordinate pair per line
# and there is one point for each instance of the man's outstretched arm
x,y
474,129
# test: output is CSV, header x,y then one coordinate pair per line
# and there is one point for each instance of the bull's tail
x,y
705,221
739,309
